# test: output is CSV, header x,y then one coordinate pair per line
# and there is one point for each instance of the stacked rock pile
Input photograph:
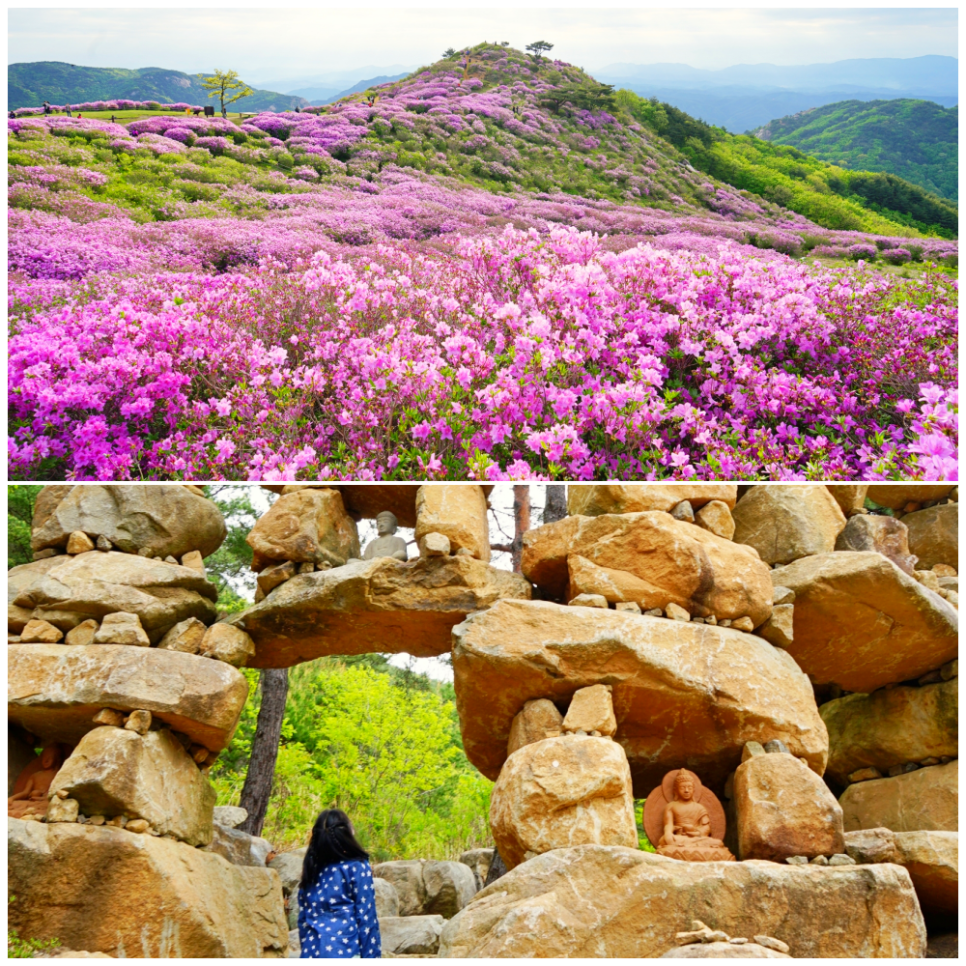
x,y
117,669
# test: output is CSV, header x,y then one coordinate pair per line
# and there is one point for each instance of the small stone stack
x,y
118,669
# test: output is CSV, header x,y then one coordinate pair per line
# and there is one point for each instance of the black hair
x,y
332,841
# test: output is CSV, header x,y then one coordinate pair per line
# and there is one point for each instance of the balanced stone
x,y
122,628
40,632
592,709
651,559
185,636
225,642
666,679
538,719
861,623
378,605
159,519
458,512
716,517
54,692
83,633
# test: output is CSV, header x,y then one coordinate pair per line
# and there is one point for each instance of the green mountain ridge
x,y
917,140
30,84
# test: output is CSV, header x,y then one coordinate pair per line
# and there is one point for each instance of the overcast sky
x,y
266,44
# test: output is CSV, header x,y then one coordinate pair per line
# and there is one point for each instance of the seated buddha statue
x,y
687,827
387,544
31,799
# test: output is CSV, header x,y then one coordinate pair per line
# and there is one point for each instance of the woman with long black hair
x,y
337,900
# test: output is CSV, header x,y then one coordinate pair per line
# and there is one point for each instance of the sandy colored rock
x,y
82,634
48,499
588,600
231,816
779,629
139,722
429,888
79,542
923,800
165,898
861,623
562,792
533,722
411,936
160,519
897,495
387,900
457,511
406,877
651,559
54,692
225,642
113,771
784,809
40,632
308,525
240,848
849,496
934,535
185,636
616,903
591,709
434,545
592,501
784,522
194,560
891,727
378,605
122,628
932,860
668,679
69,590
879,534
716,517
479,861
872,845
277,574
723,951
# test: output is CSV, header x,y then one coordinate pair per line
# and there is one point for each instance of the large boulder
x,y
159,520
932,859
479,862
685,695
459,513
597,901
880,534
925,800
308,526
410,935
387,899
69,590
861,623
891,727
600,498
239,847
288,865
934,535
561,792
113,771
784,809
425,887
784,522
374,605
849,496
54,691
896,496
107,890
651,559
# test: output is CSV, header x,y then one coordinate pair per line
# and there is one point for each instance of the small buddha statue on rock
x,y
387,544
33,784
683,825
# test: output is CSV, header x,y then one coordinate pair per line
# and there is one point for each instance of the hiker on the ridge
x,y
337,897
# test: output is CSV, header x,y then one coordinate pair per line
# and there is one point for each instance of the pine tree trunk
x,y
521,521
556,508
261,765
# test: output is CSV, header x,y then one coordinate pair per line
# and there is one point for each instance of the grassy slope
x,y
29,85
914,139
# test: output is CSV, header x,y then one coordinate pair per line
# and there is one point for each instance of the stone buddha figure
x,y
387,544
31,797
680,822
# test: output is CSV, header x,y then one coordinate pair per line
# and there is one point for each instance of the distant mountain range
x,y
914,139
29,85
749,95
325,95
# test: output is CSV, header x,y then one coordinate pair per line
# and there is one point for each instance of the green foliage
x,y
29,85
20,513
644,843
379,742
914,139
229,567
226,85
538,47
18,948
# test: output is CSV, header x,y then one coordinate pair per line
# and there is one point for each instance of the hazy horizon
x,y
279,46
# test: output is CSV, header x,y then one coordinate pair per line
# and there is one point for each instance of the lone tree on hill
x,y
449,52
538,47
222,83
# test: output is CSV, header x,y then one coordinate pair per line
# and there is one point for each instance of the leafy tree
x,y
449,52
20,513
538,47
222,83
229,567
